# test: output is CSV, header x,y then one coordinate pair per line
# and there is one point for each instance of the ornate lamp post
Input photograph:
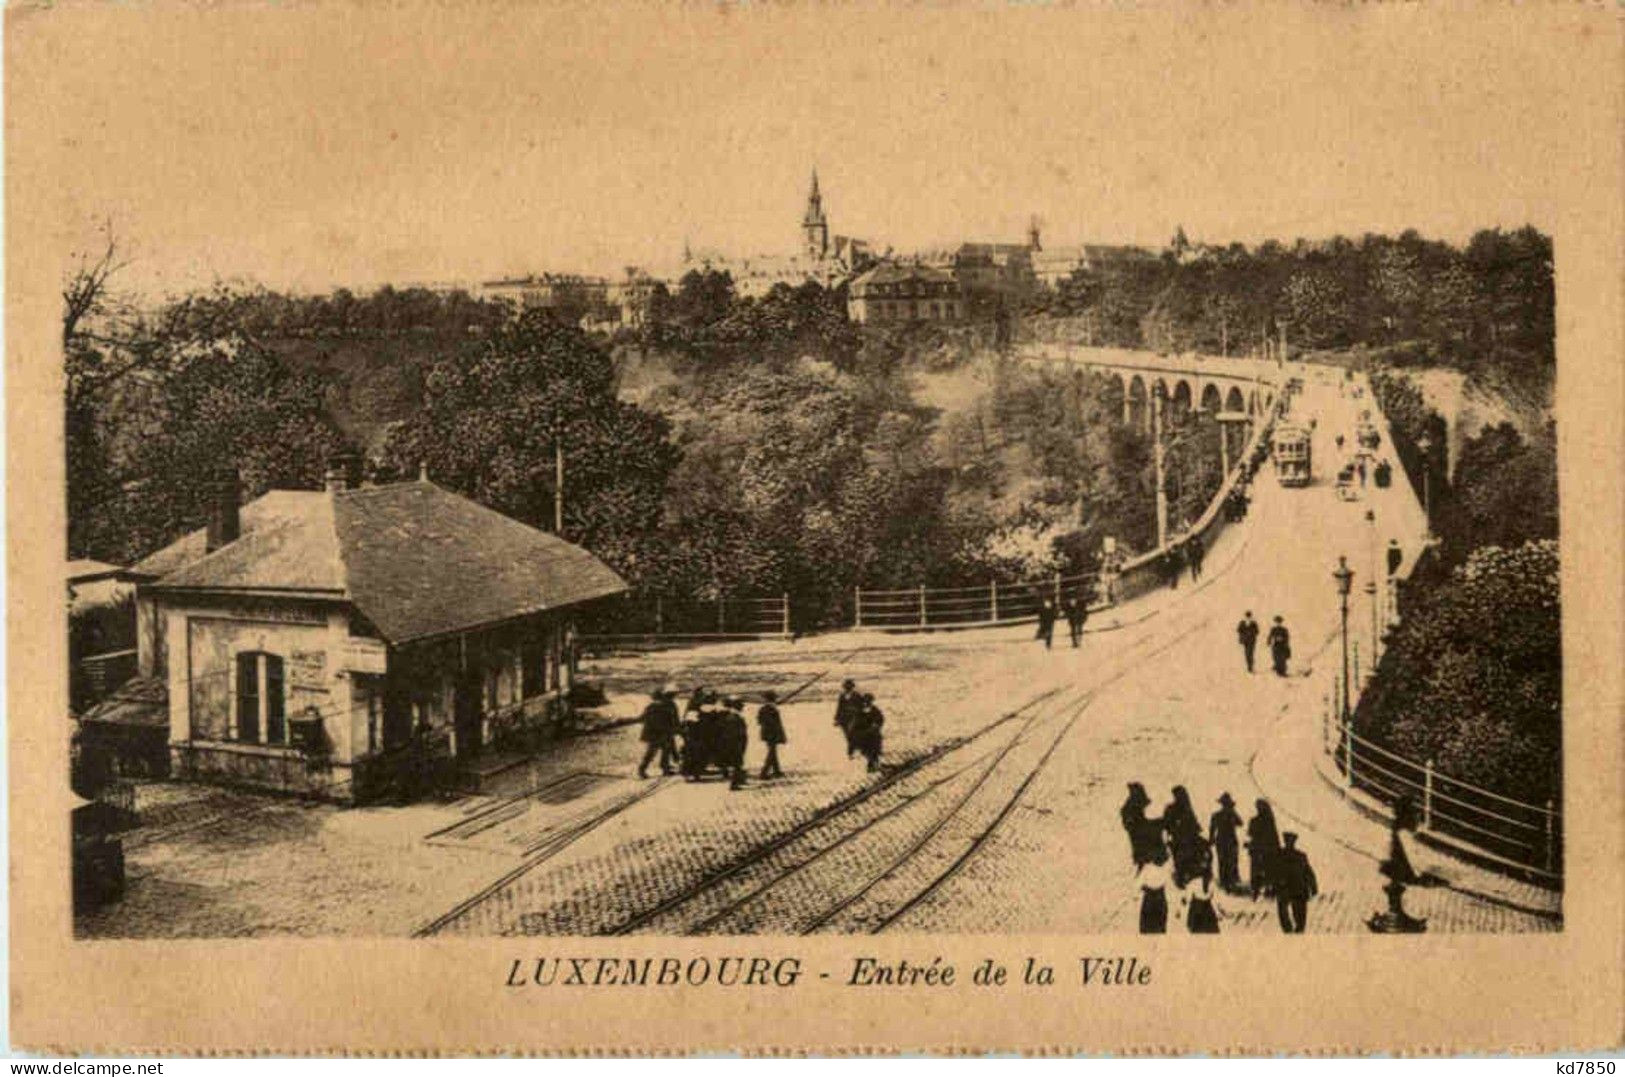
x,y
1345,579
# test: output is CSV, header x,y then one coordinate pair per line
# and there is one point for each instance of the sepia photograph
x,y
903,474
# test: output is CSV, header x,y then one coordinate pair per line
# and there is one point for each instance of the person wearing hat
x,y
1222,826
771,727
1280,641
1247,634
847,707
1295,884
660,722
866,731
1396,556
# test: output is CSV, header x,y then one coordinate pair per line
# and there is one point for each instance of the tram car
x,y
1291,451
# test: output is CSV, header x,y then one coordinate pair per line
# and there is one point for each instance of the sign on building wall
x,y
307,670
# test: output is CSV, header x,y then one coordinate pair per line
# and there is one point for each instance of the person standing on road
x,y
1295,884
1201,915
770,725
1280,641
847,706
1222,829
1396,556
735,737
1247,633
1152,881
1184,835
1263,843
659,733
1172,564
866,731
1077,611
1046,622
1195,551
1143,834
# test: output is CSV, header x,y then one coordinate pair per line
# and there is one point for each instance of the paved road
x,y
999,811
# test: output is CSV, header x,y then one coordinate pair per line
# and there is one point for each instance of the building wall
x,y
204,641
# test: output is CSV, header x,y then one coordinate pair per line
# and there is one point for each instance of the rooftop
x,y
414,558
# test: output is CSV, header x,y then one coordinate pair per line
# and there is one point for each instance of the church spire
x,y
814,227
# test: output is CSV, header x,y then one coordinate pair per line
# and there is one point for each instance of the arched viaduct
x,y
1234,385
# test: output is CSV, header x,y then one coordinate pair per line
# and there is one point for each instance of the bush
x,y
1473,678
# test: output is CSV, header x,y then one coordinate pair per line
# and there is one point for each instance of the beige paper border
x,y
1312,994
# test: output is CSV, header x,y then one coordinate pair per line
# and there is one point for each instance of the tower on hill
x,y
814,226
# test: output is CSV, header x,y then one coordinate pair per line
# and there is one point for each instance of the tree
x,y
490,424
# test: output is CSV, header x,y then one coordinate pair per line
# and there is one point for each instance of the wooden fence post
x,y
660,616
1427,796
857,607
1057,588
721,617
922,605
995,616
784,600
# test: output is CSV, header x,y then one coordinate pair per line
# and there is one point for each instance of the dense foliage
x,y
1486,306
1473,676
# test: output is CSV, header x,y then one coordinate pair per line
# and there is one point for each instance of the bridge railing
x,y
1481,824
975,606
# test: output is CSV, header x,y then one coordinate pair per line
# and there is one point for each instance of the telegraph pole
x,y
1157,456
558,487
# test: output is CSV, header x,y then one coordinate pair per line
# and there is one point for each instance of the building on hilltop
x,y
893,293
327,642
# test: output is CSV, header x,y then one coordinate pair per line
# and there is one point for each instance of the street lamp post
x,y
1371,589
1345,579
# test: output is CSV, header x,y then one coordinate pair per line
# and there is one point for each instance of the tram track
x,y
783,886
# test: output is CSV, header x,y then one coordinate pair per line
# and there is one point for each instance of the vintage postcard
x,y
814,528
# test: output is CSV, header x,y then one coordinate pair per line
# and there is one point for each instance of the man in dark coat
x,y
1221,831
866,731
1046,622
1195,551
1247,633
1280,641
734,736
1396,556
771,728
847,706
659,734
1295,884
1077,611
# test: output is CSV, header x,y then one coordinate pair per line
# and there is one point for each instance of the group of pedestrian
x,y
713,733
1187,554
1076,611
1174,850
1279,642
861,722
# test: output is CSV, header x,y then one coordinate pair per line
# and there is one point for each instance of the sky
x,y
306,146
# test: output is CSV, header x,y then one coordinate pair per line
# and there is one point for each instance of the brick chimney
x,y
225,524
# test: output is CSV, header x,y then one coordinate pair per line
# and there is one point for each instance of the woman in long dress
x,y
1263,845
1184,835
1138,828
1153,880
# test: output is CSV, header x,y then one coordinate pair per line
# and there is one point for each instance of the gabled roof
x,y
893,272
415,559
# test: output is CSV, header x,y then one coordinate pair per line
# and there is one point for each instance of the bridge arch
x,y
1136,398
1234,401
1179,403
1212,399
